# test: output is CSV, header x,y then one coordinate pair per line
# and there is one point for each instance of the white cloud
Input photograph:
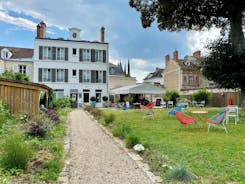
x,y
18,21
198,40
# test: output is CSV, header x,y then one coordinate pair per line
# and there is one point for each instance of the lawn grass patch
x,y
214,156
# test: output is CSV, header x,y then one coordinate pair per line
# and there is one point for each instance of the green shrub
x,y
171,96
15,153
62,102
97,113
128,98
202,95
105,98
180,173
93,99
131,140
10,74
40,127
109,118
4,114
121,131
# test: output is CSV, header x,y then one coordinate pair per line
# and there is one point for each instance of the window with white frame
x,y
86,55
59,93
98,55
86,75
60,75
22,69
46,75
60,54
47,53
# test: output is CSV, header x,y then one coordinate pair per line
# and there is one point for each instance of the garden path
x,y
95,158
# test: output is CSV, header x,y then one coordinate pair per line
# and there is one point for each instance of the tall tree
x,y
128,69
175,15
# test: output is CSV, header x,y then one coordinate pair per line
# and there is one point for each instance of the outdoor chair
x,y
232,113
150,105
170,104
184,119
149,113
178,108
218,120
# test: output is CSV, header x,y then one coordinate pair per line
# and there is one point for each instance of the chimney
x,y
102,34
167,58
41,30
197,54
175,55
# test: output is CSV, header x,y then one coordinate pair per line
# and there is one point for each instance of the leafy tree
x,y
171,95
174,15
202,95
226,62
9,74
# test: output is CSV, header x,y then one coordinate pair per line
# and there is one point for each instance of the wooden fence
x,y
221,99
22,96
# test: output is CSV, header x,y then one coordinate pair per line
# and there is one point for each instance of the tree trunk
x,y
236,32
243,98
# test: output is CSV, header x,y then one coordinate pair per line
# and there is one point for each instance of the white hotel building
x,y
72,67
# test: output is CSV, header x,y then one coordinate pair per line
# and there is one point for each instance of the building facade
x,y
72,67
16,59
117,77
155,77
184,74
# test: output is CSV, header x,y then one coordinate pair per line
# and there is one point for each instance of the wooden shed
x,y
22,96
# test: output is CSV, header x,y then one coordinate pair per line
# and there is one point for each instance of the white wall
x,y
71,64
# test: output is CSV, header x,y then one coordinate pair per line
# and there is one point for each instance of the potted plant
x,y
93,101
105,98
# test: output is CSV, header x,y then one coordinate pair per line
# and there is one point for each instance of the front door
x,y
74,100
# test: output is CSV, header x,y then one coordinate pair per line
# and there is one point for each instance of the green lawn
x,y
215,157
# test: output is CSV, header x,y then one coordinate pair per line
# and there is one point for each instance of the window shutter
x,y
16,68
53,53
40,52
28,71
66,54
66,75
80,54
104,76
92,55
104,56
40,74
80,76
93,76
53,75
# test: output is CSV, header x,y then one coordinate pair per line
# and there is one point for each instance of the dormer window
x,y
5,53
74,35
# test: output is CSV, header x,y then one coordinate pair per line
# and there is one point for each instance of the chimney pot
x,y
175,55
102,34
167,58
41,30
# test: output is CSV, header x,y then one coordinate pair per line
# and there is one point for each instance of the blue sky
x,y
145,48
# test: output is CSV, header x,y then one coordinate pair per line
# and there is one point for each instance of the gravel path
x,y
95,158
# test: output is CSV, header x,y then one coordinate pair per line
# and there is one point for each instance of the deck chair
x,y
184,119
149,113
218,120
150,105
178,108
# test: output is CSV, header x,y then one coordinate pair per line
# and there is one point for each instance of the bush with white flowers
x,y
139,148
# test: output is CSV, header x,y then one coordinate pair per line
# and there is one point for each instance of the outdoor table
x,y
136,105
201,115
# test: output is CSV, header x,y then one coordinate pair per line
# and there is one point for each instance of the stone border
x,y
64,175
133,155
